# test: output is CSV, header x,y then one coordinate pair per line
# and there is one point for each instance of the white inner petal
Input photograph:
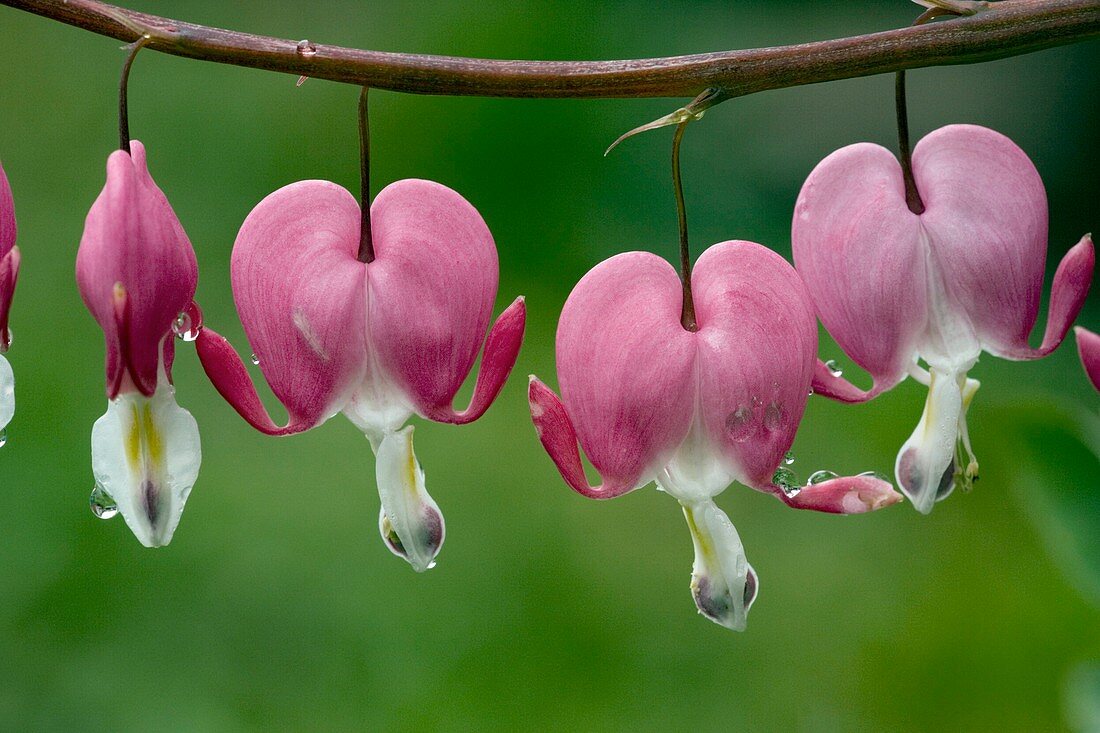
x,y
146,455
410,521
723,583
949,342
7,392
696,470
925,466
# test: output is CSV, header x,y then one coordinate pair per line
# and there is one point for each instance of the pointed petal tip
x,y
860,494
1088,348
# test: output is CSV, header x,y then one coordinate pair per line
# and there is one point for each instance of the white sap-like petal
x,y
7,393
723,583
146,455
925,466
696,471
410,521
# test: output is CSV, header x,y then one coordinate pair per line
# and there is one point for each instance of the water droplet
x,y
184,328
739,424
811,392
788,457
101,503
875,474
820,477
3,437
773,417
787,481
254,359
431,565
306,48
834,368
11,337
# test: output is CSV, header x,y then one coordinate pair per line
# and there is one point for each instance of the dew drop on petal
x,y
875,474
11,337
834,368
739,424
820,477
788,457
254,359
306,47
184,328
773,417
787,481
101,503
3,437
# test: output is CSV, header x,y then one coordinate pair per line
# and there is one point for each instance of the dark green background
x,y
277,607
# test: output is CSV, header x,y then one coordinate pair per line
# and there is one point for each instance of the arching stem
x,y
366,238
687,313
123,84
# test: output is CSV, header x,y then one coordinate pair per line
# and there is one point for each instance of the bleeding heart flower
x,y
693,410
9,273
965,275
1088,347
378,340
137,274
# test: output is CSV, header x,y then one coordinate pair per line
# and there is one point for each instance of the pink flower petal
x,y
432,287
301,296
558,437
857,247
843,495
9,275
499,356
757,343
986,217
132,238
1088,347
625,366
7,215
1067,296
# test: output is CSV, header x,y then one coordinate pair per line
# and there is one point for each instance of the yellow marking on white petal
x,y
133,438
153,442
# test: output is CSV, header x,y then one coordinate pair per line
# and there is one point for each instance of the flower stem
x,y
687,313
123,84
366,238
912,195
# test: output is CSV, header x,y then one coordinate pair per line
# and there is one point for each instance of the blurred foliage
x,y
277,607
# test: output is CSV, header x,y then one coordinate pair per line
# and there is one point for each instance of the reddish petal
x,y
1088,347
498,358
7,215
625,366
300,293
9,275
558,437
432,287
132,237
1067,296
842,495
986,214
857,247
757,345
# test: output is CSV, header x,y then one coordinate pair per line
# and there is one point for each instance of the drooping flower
x,y
378,340
1088,348
9,274
965,275
137,274
649,400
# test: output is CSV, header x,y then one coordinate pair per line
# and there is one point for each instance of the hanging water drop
x,y
184,328
834,368
11,337
254,359
431,565
773,417
820,477
787,481
3,437
101,503
788,457
306,48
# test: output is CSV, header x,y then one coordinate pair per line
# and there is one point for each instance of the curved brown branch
x,y
1008,28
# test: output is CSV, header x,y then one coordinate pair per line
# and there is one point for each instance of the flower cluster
x,y
380,310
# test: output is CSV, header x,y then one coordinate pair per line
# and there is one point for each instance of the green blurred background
x,y
277,607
